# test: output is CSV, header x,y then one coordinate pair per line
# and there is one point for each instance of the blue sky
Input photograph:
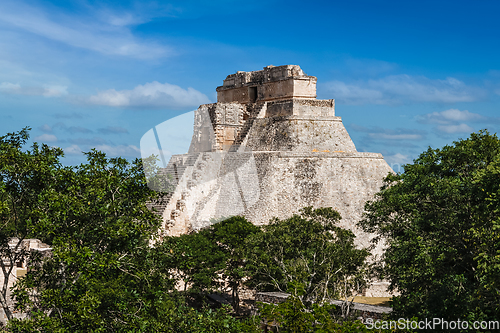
x,y
90,74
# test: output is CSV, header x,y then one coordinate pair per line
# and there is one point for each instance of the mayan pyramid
x,y
266,149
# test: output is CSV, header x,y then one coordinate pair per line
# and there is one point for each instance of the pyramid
x,y
266,149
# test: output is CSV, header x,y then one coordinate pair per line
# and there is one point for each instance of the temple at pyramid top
x,y
269,84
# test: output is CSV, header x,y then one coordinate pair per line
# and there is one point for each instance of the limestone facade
x,y
266,149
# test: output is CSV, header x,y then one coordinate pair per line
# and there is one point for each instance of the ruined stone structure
x,y
17,270
266,149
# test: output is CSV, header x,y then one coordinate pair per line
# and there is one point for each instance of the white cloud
x,y
398,158
54,91
395,89
46,138
8,87
45,90
353,94
121,150
461,128
378,133
386,136
72,150
153,94
46,128
449,116
107,37
453,120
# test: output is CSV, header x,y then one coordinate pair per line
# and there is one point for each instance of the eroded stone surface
x,y
266,149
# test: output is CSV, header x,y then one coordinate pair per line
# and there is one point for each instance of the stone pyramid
x,y
266,149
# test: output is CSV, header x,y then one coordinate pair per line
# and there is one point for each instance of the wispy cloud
x,y
454,121
73,150
45,90
46,138
72,129
397,89
378,133
449,116
46,128
398,159
112,130
153,94
461,128
89,32
78,129
120,150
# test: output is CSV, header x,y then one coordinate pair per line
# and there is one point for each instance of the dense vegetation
x,y
110,271
441,221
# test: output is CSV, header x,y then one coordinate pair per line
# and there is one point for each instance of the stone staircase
x,y
254,111
175,169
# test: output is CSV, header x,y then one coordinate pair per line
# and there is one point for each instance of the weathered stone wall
x,y
271,83
268,159
301,107
300,134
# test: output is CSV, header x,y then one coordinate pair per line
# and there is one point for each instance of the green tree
x,y
230,236
212,259
308,252
99,276
440,219
26,179
104,273
195,260
291,316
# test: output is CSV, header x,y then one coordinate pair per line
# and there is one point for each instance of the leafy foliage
x,y
292,316
26,181
308,252
100,273
441,221
194,260
107,271
212,259
230,236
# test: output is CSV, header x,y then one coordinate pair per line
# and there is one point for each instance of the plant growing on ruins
x,y
441,222
309,252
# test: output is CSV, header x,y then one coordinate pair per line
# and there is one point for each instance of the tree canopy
x,y
27,180
441,221
104,273
308,255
